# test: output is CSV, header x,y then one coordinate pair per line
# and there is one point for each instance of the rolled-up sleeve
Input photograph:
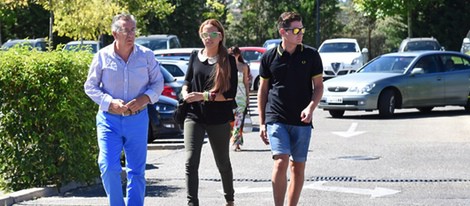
x,y
92,85
155,87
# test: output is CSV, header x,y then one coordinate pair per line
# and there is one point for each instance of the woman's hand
x,y
194,97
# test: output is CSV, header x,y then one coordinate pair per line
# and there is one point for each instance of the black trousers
x,y
219,138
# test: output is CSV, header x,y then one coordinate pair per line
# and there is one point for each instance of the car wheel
x,y
151,136
256,84
387,103
336,113
425,109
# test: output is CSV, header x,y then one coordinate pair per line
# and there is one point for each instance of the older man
x,y
123,78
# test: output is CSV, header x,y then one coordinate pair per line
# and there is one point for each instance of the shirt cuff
x,y
105,102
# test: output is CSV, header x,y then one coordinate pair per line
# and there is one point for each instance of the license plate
x,y
334,100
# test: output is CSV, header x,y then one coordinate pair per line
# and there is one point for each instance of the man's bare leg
x,y
279,178
297,172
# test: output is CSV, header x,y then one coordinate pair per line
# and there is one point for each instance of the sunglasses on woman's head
x,y
296,31
211,35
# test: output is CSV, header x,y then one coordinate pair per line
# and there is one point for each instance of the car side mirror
x,y
417,71
365,50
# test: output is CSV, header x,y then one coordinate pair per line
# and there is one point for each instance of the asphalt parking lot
x,y
413,159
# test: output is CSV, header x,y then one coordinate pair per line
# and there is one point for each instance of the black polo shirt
x,y
290,82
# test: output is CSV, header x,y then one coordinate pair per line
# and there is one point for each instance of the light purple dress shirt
x,y
110,77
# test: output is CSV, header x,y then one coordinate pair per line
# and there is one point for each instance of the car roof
x,y
257,48
175,50
83,42
157,36
422,52
420,39
341,40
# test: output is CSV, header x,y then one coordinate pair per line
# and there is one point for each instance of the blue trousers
x,y
116,133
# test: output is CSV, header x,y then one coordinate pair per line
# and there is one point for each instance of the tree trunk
x,y
410,17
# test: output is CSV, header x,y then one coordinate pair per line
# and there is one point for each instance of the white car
x,y
177,68
175,53
341,56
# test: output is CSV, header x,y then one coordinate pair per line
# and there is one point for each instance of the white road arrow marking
x,y
377,192
351,131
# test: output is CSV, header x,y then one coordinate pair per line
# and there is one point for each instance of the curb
x,y
37,192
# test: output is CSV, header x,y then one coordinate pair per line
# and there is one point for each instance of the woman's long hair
x,y
221,76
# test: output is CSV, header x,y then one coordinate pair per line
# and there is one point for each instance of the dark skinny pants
x,y
219,138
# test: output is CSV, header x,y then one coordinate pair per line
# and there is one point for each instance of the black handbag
x,y
181,112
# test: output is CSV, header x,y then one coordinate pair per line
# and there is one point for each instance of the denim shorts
x,y
288,139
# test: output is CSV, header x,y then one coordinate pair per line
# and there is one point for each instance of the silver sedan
x,y
421,80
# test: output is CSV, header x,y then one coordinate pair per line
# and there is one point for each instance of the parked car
x,y
161,122
171,87
341,56
422,80
177,68
420,44
92,46
176,53
159,41
40,44
252,55
465,46
271,43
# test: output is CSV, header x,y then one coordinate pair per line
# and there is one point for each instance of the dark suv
x,y
419,44
40,44
159,41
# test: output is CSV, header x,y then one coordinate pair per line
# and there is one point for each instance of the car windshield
x,y
422,45
338,47
389,64
153,44
251,55
76,47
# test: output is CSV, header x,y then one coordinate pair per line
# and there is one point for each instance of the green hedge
x,y
47,123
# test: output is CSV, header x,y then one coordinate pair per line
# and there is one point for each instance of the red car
x,y
252,55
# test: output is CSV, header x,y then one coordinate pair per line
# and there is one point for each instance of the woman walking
x,y
242,98
209,88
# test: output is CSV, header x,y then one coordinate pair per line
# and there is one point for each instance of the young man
x,y
123,78
286,101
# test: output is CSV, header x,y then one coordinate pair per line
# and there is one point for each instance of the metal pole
x,y
318,23
51,22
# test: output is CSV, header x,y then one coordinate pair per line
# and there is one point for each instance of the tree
x,y
83,19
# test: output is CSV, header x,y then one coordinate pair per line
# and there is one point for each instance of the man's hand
x,y
306,116
137,103
263,134
117,106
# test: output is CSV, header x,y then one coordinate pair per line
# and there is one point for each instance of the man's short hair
x,y
126,17
287,18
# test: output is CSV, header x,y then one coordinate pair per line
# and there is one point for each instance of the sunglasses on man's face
x,y
211,35
296,31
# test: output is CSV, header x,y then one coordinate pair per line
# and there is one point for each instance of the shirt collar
x,y
280,50
203,58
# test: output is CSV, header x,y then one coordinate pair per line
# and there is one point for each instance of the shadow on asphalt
x,y
153,189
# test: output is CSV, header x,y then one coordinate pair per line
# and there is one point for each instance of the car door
x,y
457,79
426,88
